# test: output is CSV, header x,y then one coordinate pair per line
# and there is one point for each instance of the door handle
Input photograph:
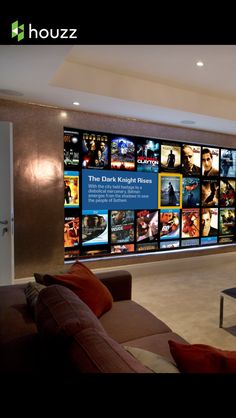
x,y
5,229
4,222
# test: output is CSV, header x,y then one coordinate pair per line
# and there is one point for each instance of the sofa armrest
x,y
119,282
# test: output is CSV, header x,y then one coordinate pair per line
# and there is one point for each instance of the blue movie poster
x,y
147,155
94,227
191,192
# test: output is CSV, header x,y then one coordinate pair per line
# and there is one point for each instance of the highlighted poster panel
x,y
118,190
71,189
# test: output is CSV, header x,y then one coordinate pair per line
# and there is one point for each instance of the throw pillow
x,y
76,268
88,287
201,358
59,312
71,331
154,362
81,270
39,277
32,291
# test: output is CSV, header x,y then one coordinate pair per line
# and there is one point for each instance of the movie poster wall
x,y
126,194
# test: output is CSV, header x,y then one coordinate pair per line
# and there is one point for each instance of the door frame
x,y
8,126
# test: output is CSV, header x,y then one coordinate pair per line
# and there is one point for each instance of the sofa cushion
x,y
201,358
127,320
93,351
157,343
60,312
154,362
83,282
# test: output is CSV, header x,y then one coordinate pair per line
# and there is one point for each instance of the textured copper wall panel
x,y
38,176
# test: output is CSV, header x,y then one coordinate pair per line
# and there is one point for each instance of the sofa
x,y
66,338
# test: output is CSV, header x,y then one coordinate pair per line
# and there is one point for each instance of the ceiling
x,y
158,83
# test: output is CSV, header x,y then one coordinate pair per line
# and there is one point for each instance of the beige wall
x,y
38,177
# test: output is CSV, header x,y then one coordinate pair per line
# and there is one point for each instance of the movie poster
x,y
147,246
71,254
169,224
190,223
189,242
209,222
71,149
209,240
191,192
227,221
191,160
147,155
122,249
97,251
71,231
122,154
169,244
94,227
122,226
170,157
210,161
228,163
71,189
226,239
147,226
170,190
210,193
95,151
227,192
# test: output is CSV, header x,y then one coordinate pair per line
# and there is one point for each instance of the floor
x,y
184,293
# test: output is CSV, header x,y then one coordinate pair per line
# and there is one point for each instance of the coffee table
x,y
230,293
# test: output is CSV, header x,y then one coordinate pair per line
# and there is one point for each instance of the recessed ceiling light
x,y
9,92
200,63
76,103
187,122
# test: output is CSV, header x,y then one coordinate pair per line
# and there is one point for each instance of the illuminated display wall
x,y
126,194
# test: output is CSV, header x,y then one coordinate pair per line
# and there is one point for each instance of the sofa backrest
x,y
67,323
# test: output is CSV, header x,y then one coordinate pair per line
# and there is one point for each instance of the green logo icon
x,y
17,30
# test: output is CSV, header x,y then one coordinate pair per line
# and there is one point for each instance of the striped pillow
x,y
32,291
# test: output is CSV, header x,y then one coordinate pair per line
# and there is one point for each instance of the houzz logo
x,y
17,30
41,33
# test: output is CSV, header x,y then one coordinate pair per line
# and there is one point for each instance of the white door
x,y
6,205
